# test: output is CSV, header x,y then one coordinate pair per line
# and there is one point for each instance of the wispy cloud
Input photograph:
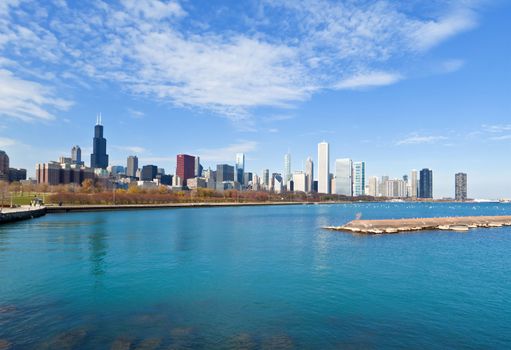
x,y
417,139
6,142
226,153
450,66
135,113
501,138
426,34
496,128
27,100
291,51
367,80
130,149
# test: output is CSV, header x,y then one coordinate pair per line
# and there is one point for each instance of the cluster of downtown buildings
x,y
346,178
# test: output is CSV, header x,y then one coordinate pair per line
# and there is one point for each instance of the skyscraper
x,y
413,184
185,167
76,155
198,167
309,173
359,178
323,168
287,168
266,179
148,172
4,166
344,177
98,158
240,167
224,172
132,166
373,186
461,186
426,183
299,181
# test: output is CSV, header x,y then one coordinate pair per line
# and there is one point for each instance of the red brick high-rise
x,y
185,168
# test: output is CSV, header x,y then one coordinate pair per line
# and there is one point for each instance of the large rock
x,y
278,342
66,341
242,341
121,344
149,344
5,345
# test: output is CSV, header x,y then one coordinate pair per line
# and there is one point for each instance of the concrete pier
x,y
22,213
463,223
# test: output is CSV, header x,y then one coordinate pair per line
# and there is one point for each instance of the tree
x,y
87,185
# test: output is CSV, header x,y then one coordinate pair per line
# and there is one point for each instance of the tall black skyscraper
x,y
426,184
98,158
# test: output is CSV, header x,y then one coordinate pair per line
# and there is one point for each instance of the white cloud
x,y
497,128
130,149
6,142
151,9
416,139
501,138
135,113
451,66
291,50
226,153
366,80
428,34
27,100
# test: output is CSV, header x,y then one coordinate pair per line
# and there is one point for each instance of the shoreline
x,y
52,208
22,213
111,207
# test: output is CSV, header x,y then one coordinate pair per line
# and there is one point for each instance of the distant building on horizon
x,y
299,181
185,167
4,166
240,168
132,166
309,173
198,167
99,157
359,178
343,177
224,172
461,186
76,155
372,186
10,174
287,168
413,184
266,179
148,173
426,183
323,168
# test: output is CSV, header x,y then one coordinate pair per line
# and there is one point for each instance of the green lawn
x,y
18,199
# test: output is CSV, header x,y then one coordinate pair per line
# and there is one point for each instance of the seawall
x,y
463,223
21,213
109,207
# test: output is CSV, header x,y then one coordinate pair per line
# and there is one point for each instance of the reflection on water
x,y
98,250
253,278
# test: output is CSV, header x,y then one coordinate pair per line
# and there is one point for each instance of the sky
x,y
401,85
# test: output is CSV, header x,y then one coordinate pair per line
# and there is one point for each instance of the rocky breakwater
x,y
389,226
21,213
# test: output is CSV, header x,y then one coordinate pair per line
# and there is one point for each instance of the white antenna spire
x,y
97,119
100,118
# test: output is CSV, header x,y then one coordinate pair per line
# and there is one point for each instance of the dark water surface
x,y
253,278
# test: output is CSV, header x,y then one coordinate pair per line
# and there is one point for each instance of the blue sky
x,y
401,85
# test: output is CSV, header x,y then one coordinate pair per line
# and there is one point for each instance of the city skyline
x,y
348,177
443,105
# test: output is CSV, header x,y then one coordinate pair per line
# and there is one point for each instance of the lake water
x,y
254,278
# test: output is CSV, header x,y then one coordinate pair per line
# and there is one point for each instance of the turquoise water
x,y
254,278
